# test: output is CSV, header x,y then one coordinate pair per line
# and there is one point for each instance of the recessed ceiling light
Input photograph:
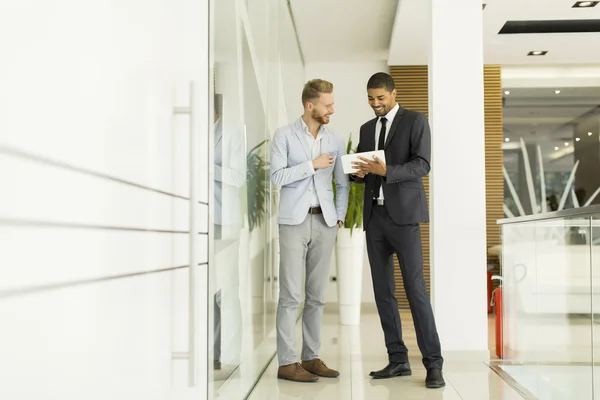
x,y
555,147
577,139
507,92
590,133
566,144
538,53
585,4
506,140
557,92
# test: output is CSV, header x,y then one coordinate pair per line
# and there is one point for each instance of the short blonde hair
x,y
314,88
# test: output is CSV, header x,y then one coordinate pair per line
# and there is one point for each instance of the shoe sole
x,y
404,373
435,386
296,380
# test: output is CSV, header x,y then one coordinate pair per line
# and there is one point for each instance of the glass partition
x,y
255,64
549,298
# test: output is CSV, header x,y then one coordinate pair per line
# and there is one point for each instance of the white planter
x,y
349,261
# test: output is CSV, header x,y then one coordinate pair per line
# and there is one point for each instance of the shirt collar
x,y
391,114
305,128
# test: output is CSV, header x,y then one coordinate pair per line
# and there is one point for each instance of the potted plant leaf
x,y
257,178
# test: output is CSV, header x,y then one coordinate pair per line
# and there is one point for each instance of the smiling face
x,y
317,99
381,101
321,109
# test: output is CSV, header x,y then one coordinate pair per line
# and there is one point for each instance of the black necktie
x,y
380,146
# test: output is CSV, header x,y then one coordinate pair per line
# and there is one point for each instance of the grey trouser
x,y
307,246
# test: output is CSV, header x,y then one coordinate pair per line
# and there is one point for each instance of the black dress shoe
x,y
434,379
393,369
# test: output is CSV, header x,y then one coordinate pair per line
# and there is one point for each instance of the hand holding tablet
x,y
349,159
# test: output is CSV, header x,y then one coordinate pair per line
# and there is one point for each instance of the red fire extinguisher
x,y
497,302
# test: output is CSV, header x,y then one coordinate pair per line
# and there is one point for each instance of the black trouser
x,y
384,238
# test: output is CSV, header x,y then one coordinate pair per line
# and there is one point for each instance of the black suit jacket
x,y
407,155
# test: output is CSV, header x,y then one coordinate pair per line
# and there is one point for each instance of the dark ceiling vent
x,y
554,26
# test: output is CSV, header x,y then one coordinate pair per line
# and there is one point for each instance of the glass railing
x,y
550,303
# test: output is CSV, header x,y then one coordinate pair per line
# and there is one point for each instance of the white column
x,y
457,186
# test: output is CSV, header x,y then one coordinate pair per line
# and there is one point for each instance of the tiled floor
x,y
555,382
355,351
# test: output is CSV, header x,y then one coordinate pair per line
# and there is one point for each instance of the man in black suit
x,y
394,205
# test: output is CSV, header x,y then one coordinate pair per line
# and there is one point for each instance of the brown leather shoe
x,y
319,368
295,372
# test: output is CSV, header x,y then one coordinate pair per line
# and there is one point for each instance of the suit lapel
x,y
300,135
394,127
370,143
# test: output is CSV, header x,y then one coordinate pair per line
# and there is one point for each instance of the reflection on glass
x,y
548,300
250,78
242,236
227,213
551,149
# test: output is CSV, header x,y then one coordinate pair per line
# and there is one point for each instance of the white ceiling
x,y
409,44
344,30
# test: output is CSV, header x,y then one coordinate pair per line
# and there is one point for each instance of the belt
x,y
379,202
315,210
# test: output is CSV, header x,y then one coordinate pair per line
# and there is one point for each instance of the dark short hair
x,y
381,80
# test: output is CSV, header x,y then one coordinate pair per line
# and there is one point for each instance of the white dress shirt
x,y
315,150
390,118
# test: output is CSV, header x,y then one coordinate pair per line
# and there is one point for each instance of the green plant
x,y
257,178
354,215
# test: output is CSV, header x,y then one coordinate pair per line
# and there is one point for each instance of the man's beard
x,y
323,120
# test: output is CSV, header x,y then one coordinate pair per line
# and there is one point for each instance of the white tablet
x,y
348,159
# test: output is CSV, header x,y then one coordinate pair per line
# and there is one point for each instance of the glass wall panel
x,y
255,60
548,319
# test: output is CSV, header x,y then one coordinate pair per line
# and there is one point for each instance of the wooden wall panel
x,y
412,86
494,157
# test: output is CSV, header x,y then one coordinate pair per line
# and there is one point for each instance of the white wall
x,y
351,111
350,92
86,127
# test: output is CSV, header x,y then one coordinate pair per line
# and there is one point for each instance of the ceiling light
x,y
557,92
566,144
538,53
577,139
507,92
555,147
590,133
506,140
585,4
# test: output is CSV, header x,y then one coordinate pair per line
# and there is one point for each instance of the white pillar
x,y
457,185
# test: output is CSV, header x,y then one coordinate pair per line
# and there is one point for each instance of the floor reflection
x,y
355,351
